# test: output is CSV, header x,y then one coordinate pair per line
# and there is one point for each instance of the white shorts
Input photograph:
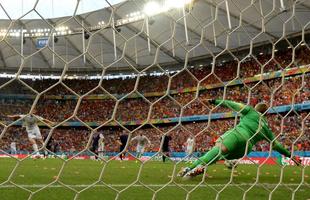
x,y
13,150
34,134
101,148
140,149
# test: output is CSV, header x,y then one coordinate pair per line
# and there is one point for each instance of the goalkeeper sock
x,y
209,158
279,148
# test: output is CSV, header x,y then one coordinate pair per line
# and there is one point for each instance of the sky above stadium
x,y
49,8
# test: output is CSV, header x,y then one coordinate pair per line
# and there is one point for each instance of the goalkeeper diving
x,y
238,142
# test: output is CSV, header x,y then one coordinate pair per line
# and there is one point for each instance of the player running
x,y
237,142
13,149
31,123
98,145
122,141
190,145
101,146
166,146
142,140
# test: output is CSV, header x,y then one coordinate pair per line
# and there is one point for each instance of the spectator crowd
x,y
124,108
293,134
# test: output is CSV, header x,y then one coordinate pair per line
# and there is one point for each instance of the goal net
x,y
111,99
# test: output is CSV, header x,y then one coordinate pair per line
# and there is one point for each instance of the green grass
x,y
31,176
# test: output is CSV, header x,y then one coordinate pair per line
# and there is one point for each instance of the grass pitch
x,y
53,179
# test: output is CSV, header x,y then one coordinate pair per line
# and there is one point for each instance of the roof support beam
x,y
192,31
304,5
127,57
90,63
80,52
237,18
3,60
34,44
155,44
144,36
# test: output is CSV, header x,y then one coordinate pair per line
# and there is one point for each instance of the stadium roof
x,y
14,9
140,30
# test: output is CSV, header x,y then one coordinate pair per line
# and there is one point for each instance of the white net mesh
x,y
150,68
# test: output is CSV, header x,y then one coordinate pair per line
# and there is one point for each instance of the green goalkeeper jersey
x,y
253,125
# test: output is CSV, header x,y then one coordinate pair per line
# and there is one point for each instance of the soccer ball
x,y
231,163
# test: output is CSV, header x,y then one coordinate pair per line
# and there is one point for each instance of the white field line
x,y
151,185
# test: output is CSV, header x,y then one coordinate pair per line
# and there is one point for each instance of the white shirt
x,y
13,145
31,122
190,142
141,140
101,139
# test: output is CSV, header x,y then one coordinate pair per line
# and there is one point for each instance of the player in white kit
x,y
190,145
13,148
141,143
101,146
32,128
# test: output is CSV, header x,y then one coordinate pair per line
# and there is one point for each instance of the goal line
x,y
155,185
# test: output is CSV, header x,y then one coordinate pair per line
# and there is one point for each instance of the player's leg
x,y
45,152
189,153
96,152
142,151
138,151
216,153
197,167
13,151
32,140
31,137
40,139
224,145
122,154
93,149
165,155
100,151
100,154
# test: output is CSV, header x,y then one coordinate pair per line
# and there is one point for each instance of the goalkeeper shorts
x,y
235,143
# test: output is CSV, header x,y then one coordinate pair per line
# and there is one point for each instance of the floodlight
x,y
169,4
152,8
175,3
